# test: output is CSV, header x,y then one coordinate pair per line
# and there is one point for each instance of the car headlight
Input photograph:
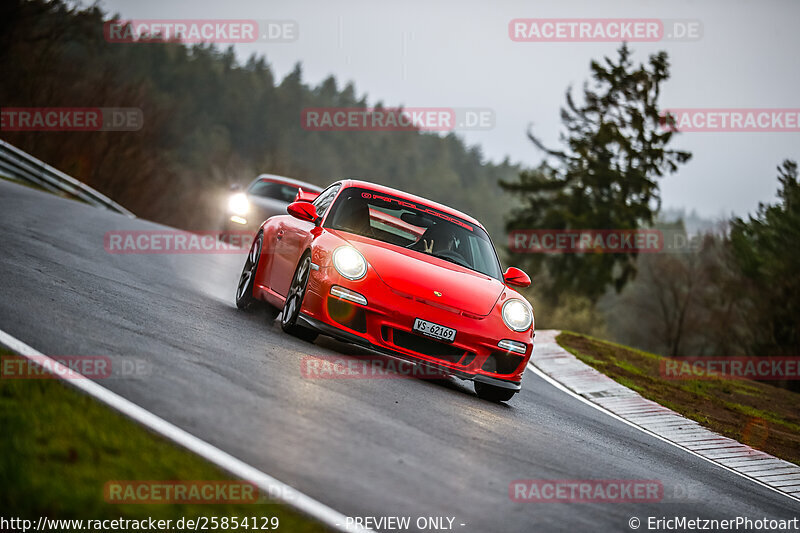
x,y
238,204
349,262
517,315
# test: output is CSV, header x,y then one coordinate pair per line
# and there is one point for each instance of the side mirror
x,y
303,210
515,276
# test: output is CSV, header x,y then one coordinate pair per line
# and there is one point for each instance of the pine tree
x,y
604,176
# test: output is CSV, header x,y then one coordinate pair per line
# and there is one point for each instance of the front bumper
x,y
384,324
345,336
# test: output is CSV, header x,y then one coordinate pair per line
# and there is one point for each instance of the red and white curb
x,y
558,366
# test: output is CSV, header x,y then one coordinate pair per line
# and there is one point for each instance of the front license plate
x,y
434,330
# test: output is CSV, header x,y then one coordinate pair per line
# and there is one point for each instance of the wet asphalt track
x,y
366,447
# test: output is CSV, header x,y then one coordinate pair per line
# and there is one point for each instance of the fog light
x,y
347,294
512,346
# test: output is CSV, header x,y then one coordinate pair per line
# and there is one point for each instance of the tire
x,y
493,393
294,301
244,290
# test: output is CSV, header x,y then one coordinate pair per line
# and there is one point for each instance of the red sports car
x,y
399,274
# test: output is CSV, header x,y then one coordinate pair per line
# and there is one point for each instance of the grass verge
x,y
758,414
58,448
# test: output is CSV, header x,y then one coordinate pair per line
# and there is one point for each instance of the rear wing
x,y
305,196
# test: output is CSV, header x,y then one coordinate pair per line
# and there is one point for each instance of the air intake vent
x,y
426,346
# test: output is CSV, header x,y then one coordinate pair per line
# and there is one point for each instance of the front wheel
x,y
294,300
493,393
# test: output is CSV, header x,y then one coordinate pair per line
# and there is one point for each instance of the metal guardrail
x,y
22,166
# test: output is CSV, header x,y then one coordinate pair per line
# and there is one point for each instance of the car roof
x,y
288,181
412,197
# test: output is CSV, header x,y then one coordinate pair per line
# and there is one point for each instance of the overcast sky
x,y
458,54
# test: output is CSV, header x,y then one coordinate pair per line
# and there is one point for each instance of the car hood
x,y
418,275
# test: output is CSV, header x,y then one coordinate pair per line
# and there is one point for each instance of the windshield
x,y
276,191
416,227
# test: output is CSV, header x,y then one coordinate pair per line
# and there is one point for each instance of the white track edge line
x,y
577,396
284,493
